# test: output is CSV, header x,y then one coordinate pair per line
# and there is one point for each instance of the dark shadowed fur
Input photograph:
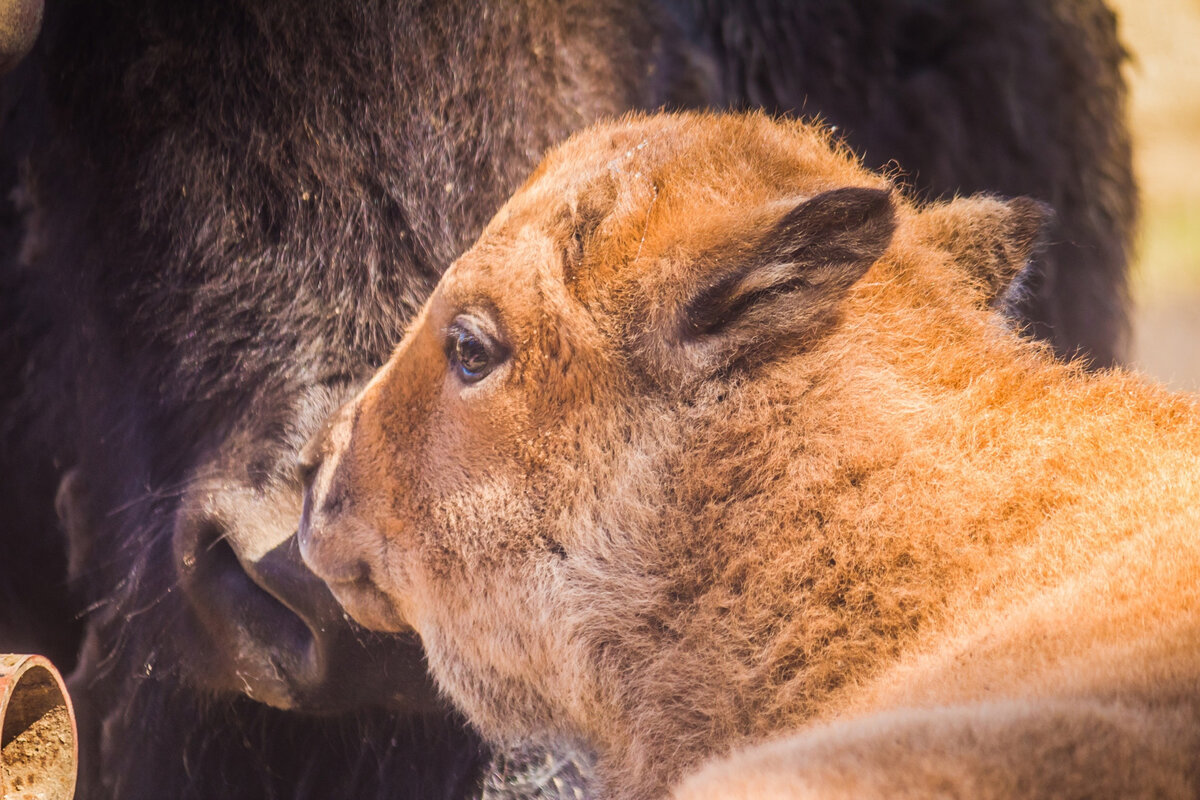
x,y
226,213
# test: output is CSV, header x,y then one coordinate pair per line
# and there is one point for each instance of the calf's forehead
x,y
509,270
645,186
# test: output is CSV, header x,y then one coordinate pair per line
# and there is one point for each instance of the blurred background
x,y
1163,37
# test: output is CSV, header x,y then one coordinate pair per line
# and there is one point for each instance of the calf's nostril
x,y
309,460
306,469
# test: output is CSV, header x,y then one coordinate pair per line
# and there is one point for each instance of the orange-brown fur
x,y
855,511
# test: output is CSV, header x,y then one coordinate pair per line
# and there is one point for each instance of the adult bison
x,y
223,214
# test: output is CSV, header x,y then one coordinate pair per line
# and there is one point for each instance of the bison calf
x,y
714,436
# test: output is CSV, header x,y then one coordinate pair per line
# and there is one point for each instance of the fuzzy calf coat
x,y
713,438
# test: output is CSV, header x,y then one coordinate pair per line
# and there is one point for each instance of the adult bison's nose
x,y
274,630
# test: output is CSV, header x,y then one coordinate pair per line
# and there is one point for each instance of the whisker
x,y
165,492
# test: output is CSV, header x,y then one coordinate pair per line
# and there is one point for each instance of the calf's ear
x,y
993,239
777,293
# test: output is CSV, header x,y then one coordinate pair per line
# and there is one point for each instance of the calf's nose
x,y
311,456
317,468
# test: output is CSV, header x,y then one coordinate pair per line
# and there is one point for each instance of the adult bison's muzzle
x,y
275,631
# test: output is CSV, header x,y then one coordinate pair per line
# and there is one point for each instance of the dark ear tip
x,y
876,210
880,196
881,202
851,206
876,203
1030,219
863,196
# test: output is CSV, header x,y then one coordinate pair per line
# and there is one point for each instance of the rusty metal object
x,y
20,23
39,747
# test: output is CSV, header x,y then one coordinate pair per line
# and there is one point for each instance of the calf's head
x,y
509,484
526,405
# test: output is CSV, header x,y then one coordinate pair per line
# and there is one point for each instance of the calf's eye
x,y
472,353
